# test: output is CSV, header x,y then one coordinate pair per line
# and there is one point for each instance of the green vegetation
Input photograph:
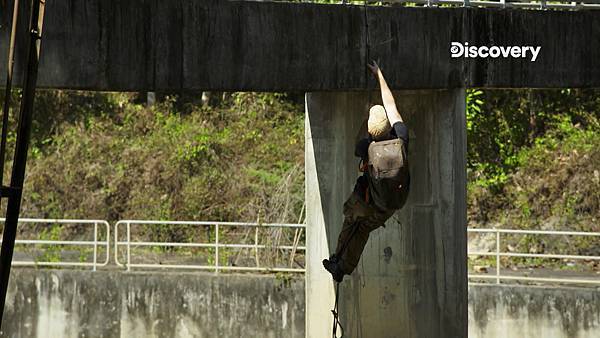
x,y
501,123
239,161
533,156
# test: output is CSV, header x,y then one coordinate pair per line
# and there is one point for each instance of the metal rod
x,y
256,247
53,242
116,244
7,98
539,279
497,257
58,220
238,224
107,241
95,244
128,246
535,232
527,255
212,267
217,248
22,145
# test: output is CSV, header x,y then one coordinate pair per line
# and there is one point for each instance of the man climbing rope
x,y
381,189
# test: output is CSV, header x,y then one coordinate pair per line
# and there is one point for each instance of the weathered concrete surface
x,y
63,303
532,312
152,45
412,280
55,303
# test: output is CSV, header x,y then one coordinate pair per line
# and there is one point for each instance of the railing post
x,y
497,256
256,246
107,242
95,244
217,248
128,246
116,250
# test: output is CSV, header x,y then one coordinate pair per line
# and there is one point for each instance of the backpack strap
x,y
363,165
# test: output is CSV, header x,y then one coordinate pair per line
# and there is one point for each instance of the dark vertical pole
x,y
9,75
22,145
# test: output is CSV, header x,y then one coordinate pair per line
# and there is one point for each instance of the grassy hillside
x,y
555,186
105,156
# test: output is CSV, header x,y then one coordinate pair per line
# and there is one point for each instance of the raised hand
x,y
374,68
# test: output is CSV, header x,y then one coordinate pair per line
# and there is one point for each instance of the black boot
x,y
334,266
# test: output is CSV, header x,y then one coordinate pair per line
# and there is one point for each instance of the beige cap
x,y
378,124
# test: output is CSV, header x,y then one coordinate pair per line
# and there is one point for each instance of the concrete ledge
x,y
71,303
530,312
244,45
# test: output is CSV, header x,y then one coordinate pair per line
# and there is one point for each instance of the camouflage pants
x,y
360,218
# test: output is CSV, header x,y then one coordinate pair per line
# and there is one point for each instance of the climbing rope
x,y
336,318
335,311
368,47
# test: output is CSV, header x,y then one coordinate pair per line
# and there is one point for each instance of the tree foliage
x,y
500,123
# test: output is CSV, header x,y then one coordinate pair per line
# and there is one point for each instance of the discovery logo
x,y
458,49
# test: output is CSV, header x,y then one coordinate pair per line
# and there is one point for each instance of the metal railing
x,y
498,253
216,244
95,243
523,4
220,246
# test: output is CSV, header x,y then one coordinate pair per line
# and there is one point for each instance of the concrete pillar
x,y
412,278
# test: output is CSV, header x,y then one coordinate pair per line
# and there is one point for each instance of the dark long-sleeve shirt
x,y
361,150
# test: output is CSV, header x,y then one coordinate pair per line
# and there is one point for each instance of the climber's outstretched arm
x,y
386,95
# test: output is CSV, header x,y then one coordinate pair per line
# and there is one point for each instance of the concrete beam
x,y
152,45
412,278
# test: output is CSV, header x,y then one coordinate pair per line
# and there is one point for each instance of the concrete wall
x,y
247,45
532,312
411,281
63,304
66,303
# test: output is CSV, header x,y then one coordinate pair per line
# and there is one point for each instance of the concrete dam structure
x,y
412,279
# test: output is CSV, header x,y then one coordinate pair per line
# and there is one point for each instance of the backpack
x,y
388,174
